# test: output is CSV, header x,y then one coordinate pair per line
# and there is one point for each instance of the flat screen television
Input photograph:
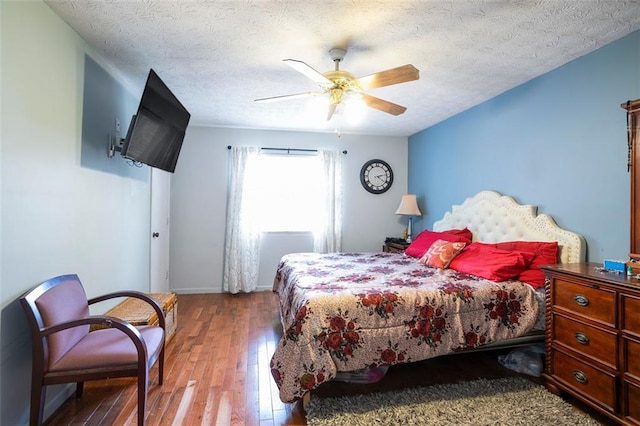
x,y
157,130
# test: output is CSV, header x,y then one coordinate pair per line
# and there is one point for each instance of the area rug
x,y
505,401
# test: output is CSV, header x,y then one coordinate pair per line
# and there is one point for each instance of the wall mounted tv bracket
x,y
114,145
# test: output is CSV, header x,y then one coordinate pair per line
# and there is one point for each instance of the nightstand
x,y
593,338
394,247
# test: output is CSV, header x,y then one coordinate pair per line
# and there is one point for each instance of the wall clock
x,y
376,176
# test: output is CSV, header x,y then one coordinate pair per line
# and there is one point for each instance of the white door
x,y
160,201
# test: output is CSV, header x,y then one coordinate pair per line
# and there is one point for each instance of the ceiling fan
x,y
341,86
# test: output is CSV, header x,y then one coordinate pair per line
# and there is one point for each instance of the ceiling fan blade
x,y
305,69
387,78
332,109
287,97
382,105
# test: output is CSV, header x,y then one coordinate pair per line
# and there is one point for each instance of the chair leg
x,y
38,395
161,367
142,394
79,389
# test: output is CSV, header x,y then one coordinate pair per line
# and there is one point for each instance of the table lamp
x,y
409,207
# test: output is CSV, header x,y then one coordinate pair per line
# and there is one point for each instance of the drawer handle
x,y
580,376
582,338
581,299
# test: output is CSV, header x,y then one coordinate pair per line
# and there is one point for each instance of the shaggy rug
x,y
506,401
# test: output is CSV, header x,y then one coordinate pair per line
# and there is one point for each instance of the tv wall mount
x,y
114,145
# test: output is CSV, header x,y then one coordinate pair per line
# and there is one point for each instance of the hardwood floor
x,y
217,372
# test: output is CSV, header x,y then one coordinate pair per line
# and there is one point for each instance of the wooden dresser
x,y
593,338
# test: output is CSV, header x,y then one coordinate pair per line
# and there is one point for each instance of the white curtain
x,y
328,237
242,239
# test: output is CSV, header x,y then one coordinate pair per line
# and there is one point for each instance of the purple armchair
x,y
65,350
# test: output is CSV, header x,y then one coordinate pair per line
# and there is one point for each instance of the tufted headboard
x,y
494,218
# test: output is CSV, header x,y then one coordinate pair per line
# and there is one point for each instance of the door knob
x,y
155,234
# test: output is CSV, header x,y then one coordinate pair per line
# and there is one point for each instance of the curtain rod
x,y
289,150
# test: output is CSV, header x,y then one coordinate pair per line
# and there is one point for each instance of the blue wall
x,y
558,141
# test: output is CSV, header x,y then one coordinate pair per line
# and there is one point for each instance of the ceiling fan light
x,y
336,96
355,109
317,107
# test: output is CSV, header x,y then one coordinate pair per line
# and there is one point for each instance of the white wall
x,y
56,216
199,198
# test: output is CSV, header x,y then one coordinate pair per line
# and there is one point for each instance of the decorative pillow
x,y
487,261
545,253
441,253
423,241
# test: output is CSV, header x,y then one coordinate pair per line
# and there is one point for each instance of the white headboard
x,y
494,218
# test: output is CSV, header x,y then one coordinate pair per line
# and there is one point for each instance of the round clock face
x,y
376,176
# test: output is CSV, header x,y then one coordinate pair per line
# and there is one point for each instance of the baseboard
x,y
56,399
212,290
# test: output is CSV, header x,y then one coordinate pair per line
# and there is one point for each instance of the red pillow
x,y
487,261
423,241
545,253
464,232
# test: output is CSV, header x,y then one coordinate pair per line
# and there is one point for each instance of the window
x,y
278,193
284,192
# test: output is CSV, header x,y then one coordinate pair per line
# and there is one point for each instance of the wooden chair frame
x,y
41,377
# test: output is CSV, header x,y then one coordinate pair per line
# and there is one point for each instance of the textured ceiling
x,y
217,57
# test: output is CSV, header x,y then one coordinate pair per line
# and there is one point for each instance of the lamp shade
x,y
409,206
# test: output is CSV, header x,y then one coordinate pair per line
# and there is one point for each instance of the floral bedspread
x,y
350,311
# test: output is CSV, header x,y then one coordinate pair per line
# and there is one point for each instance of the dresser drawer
x,y
631,353
594,303
631,314
585,339
632,398
589,381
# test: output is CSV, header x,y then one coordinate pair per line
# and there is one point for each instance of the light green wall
x,y
56,217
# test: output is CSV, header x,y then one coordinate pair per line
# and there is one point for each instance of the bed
x,y
361,312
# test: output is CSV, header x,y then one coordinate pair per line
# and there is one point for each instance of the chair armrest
x,y
106,321
135,294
